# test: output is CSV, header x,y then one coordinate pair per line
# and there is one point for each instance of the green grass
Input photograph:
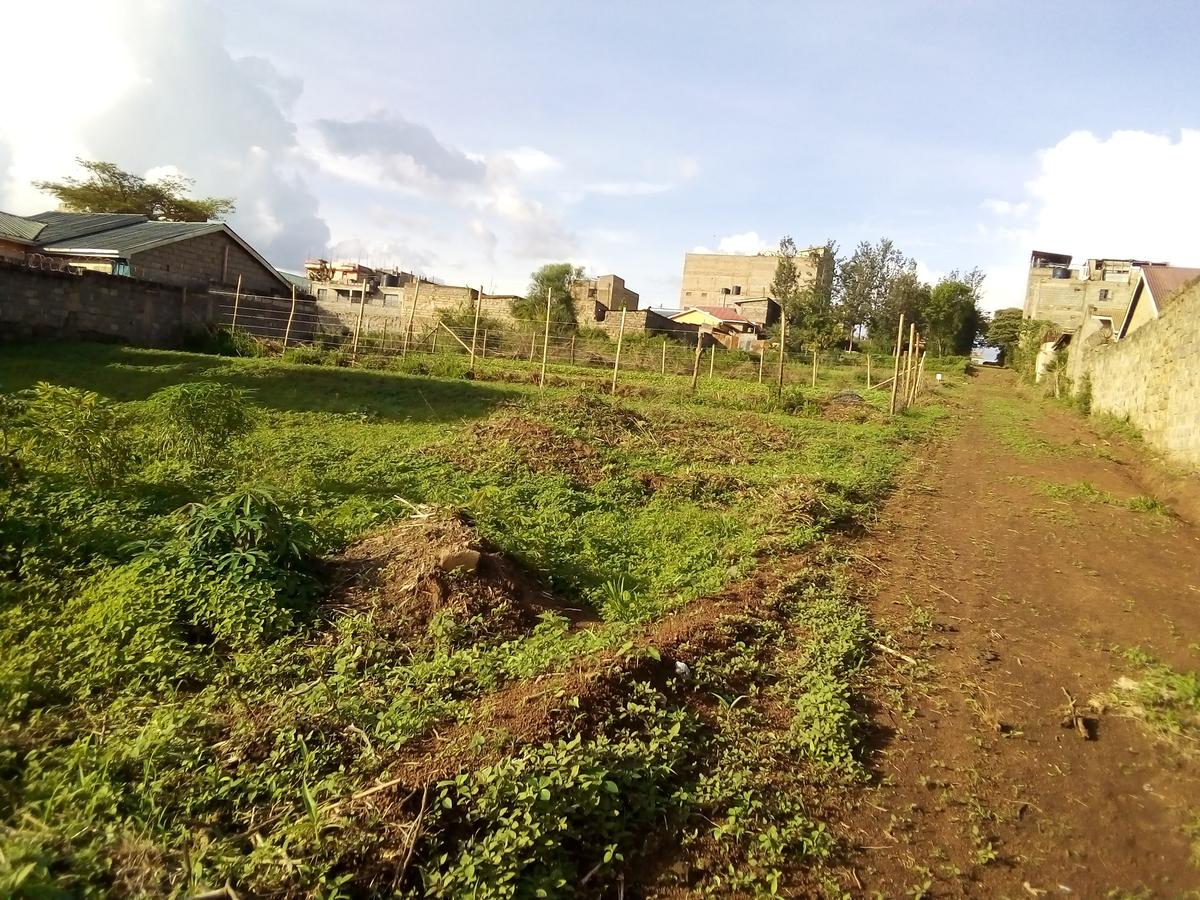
x,y
1086,492
168,687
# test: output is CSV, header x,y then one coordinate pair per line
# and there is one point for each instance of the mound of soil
x,y
510,436
407,574
848,406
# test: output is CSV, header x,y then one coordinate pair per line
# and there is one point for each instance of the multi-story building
x,y
594,298
1061,294
728,279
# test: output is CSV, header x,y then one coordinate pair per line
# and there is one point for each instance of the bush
x,y
79,429
196,421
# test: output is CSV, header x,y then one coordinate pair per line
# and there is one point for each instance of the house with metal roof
x,y
195,254
1157,287
726,324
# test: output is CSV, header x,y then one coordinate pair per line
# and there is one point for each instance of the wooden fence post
x,y
896,367
762,355
712,358
814,379
912,340
475,327
483,349
572,349
912,397
696,358
288,332
662,369
362,306
617,359
546,342
782,350
433,343
411,313
868,371
237,296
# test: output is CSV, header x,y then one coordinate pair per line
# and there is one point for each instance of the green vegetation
x,y
1167,700
110,189
1086,492
189,696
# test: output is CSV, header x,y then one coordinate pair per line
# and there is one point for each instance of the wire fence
x,y
368,334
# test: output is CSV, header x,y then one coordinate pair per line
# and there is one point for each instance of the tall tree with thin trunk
x,y
110,189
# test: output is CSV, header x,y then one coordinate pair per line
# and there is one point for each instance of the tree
x,y
808,309
109,189
1005,330
558,278
868,287
951,316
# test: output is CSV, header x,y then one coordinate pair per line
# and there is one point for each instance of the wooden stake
x,y
916,381
546,342
896,367
572,349
662,369
433,343
288,333
814,380
868,371
483,349
712,358
411,313
912,339
362,306
696,360
782,350
475,327
237,296
617,360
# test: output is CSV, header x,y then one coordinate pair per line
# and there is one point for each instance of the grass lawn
x,y
204,684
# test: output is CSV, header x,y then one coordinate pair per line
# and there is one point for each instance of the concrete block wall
x,y
46,305
201,260
1152,377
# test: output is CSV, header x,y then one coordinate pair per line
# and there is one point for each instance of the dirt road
x,y
1017,567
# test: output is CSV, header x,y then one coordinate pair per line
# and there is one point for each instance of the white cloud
x,y
532,161
628,188
1132,194
1005,208
169,97
689,168
746,242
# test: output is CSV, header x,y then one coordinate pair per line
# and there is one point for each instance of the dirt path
x,y
1011,582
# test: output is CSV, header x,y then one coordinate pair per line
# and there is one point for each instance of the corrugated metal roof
x,y
1166,281
724,313
67,226
19,227
135,238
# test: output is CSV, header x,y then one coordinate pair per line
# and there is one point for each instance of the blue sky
x,y
473,142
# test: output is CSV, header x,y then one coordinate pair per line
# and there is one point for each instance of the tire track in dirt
x,y
1012,597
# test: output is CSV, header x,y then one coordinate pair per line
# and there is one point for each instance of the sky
x,y
473,142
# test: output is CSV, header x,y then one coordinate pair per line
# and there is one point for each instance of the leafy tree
x,y
951,317
868,287
1005,329
109,189
808,308
558,279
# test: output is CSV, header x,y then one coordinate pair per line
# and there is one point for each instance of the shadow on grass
x,y
129,373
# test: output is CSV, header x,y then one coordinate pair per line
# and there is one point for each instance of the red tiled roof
x,y
1166,281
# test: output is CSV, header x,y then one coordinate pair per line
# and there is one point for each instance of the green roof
x,y
132,238
67,226
19,227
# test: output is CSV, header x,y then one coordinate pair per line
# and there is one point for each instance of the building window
x,y
703,293
322,293
1103,293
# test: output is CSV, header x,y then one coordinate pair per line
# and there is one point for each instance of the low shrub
x,y
197,421
79,430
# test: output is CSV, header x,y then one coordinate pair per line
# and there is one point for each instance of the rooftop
x,y
1167,281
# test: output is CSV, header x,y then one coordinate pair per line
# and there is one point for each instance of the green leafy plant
x,y
197,421
79,429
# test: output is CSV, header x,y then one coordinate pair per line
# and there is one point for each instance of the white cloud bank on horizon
x,y
747,242
1130,195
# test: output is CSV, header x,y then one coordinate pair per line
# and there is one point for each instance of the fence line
x,y
397,332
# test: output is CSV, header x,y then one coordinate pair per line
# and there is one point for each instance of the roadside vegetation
x,y
319,631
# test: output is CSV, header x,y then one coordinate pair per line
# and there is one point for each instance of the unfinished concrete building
x,y
731,279
1061,294
595,298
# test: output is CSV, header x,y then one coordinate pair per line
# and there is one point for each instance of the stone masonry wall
x,y
1152,377
37,304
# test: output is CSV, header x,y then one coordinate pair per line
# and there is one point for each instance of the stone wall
x,y
1152,377
36,304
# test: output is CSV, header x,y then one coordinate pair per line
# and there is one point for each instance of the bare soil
x,y
980,789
